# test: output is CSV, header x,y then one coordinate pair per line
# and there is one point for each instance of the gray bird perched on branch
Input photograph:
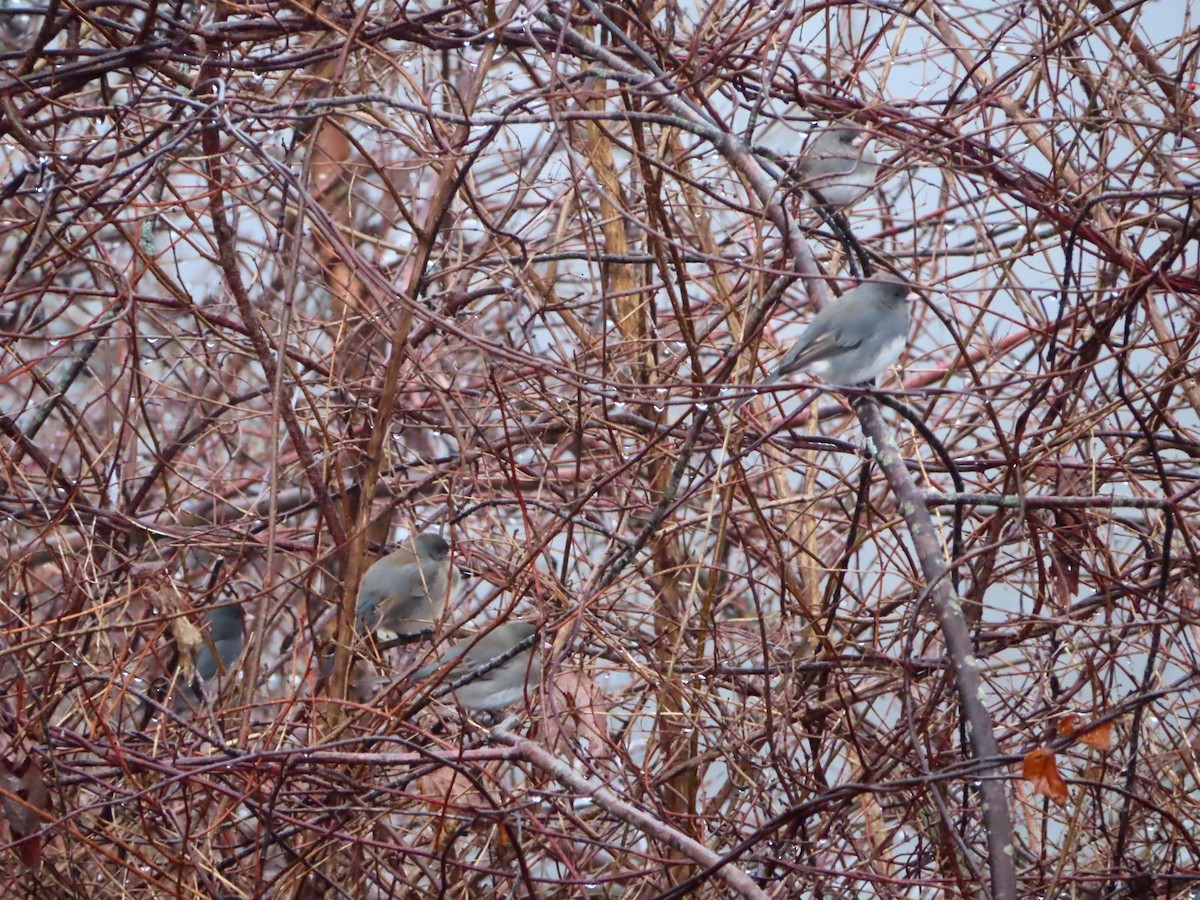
x,y
853,339
223,633
406,591
837,166
498,687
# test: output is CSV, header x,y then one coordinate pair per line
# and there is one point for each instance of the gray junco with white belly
x,y
501,686
836,166
853,339
405,591
223,630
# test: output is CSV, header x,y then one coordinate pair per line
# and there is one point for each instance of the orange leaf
x,y
1041,769
1098,737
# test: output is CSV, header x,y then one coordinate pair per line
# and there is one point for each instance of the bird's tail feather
x,y
755,388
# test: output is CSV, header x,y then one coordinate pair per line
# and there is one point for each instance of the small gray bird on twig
x,y
837,166
222,632
501,686
406,591
853,339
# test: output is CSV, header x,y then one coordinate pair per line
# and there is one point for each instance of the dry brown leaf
x,y
1041,769
189,640
1098,737
330,154
1073,531
1094,772
575,708
1067,725
447,787
24,798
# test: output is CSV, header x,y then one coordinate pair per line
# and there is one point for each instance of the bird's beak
x,y
860,140
912,297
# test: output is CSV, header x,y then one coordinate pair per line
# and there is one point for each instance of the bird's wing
x,y
430,573
833,164
228,651
832,342
419,580
452,655
472,652
418,577
820,166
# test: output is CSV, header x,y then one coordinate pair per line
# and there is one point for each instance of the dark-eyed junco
x,y
853,339
836,166
405,592
222,632
501,686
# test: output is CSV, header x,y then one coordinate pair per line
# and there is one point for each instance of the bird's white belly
x,y
838,370
891,351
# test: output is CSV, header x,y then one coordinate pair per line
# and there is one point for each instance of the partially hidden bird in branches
x,y
406,590
505,684
837,166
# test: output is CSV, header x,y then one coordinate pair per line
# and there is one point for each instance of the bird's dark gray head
x,y
850,135
225,622
521,630
432,546
893,288
840,140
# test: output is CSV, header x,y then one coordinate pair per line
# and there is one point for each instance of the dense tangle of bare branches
x,y
282,281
